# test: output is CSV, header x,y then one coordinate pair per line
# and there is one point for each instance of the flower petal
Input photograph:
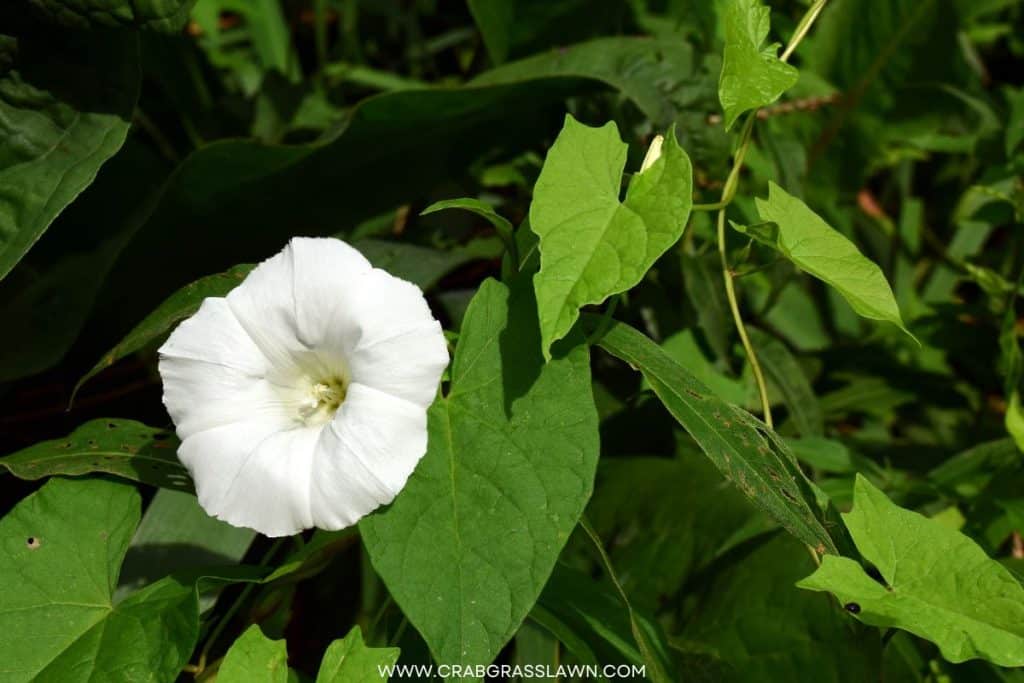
x,y
402,350
214,335
200,395
328,281
212,374
365,456
252,475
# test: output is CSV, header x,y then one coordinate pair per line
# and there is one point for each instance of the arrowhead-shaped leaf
x,y
752,74
939,584
591,244
804,238
468,545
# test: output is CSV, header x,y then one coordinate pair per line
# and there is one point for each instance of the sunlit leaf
x,y
591,244
349,660
254,658
803,237
935,582
752,74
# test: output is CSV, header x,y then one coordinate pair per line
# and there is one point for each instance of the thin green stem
x,y
802,28
730,293
728,193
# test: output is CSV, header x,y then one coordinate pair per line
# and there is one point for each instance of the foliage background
x,y
261,120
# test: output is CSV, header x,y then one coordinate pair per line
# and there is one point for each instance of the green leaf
x,y
591,244
254,658
63,546
804,238
649,72
467,546
752,74
69,99
348,660
501,224
168,16
177,307
747,452
485,211
124,448
749,617
938,583
47,297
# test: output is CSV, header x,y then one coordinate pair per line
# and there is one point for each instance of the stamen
x,y
323,401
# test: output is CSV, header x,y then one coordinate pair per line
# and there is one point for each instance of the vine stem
x,y
728,193
730,292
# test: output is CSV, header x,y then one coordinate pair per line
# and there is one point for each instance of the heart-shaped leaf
x,y
468,545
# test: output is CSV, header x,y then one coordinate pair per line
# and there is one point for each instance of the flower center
x,y
323,400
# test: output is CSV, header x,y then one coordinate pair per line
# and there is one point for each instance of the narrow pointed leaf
x,y
752,74
468,545
591,244
939,584
804,238
747,452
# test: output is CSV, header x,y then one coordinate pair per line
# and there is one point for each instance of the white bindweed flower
x,y
301,397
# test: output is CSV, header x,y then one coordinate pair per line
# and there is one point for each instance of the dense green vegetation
x,y
731,294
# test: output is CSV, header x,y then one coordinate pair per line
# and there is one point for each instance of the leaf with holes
x,y
746,451
591,244
752,75
467,546
62,550
124,448
939,584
